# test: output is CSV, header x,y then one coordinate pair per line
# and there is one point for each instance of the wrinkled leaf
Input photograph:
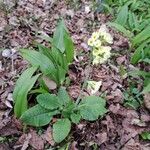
x,y
75,117
92,107
48,101
63,96
37,116
61,129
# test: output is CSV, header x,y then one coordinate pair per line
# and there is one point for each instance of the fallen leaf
x,y
36,141
47,136
147,100
49,83
26,142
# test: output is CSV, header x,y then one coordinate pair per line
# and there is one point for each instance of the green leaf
x,y
63,42
138,52
75,117
61,129
136,73
122,15
142,36
39,59
37,116
23,86
68,110
63,96
146,60
48,101
69,48
132,103
145,135
58,38
92,107
120,28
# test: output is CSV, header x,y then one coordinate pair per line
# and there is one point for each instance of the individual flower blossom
x,y
95,36
108,38
97,52
103,29
94,86
103,32
101,55
90,42
97,43
96,60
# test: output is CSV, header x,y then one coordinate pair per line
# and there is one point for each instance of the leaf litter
x,y
119,129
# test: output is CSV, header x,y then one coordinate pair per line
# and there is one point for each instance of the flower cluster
x,y
98,42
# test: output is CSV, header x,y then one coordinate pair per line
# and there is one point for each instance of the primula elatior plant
x,y
90,108
98,42
53,63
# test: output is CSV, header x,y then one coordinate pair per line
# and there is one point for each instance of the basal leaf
x,y
142,36
37,116
58,38
122,15
63,42
63,96
61,129
23,86
92,107
120,28
39,59
48,101
136,73
138,52
69,48
75,117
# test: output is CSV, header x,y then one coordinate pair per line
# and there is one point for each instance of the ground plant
x,y
53,63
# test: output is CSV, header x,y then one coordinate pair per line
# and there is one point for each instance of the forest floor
x,y
119,129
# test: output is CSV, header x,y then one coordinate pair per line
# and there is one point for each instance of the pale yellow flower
x,y
108,38
97,43
96,60
105,48
94,86
103,29
95,36
90,42
102,60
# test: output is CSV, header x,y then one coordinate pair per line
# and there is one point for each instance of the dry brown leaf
x,y
49,83
101,138
36,141
26,142
147,100
47,136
